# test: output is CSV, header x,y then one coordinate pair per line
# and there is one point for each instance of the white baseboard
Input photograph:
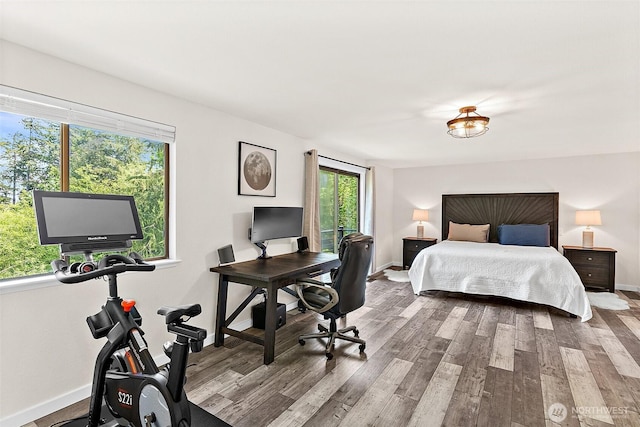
x,y
384,267
623,287
45,408
62,401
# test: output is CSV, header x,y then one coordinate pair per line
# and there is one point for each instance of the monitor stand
x,y
263,247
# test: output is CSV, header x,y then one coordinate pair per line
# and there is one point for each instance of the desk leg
x,y
270,325
221,311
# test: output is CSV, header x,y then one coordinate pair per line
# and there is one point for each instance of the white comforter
x,y
525,273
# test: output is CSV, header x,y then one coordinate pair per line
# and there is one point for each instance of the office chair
x,y
343,295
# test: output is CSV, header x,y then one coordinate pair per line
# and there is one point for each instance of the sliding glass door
x,y
339,206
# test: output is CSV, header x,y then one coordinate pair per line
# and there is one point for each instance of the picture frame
x,y
256,170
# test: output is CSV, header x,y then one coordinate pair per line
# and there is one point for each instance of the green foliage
x,y
22,254
327,200
99,162
29,159
339,198
105,163
348,202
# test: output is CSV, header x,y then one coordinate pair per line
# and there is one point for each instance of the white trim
x,y
18,101
173,239
37,411
623,287
46,280
385,266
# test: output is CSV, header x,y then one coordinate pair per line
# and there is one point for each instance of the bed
x,y
523,270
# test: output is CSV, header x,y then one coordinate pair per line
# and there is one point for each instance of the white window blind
x,y
33,104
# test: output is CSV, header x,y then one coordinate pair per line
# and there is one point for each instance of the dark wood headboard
x,y
501,208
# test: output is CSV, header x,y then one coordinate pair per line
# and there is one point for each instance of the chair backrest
x,y
350,280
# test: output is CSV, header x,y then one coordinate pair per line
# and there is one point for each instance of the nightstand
x,y
411,246
595,266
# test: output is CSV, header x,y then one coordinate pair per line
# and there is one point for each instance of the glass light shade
x,y
588,218
468,126
420,215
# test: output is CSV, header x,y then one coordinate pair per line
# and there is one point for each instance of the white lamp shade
x,y
420,215
588,218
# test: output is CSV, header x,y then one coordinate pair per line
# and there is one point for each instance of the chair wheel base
x,y
331,335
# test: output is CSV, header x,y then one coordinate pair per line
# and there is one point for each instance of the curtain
x,y
311,227
369,210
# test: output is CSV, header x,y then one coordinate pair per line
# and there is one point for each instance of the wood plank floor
x,y
431,360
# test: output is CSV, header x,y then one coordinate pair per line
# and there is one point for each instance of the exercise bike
x,y
136,392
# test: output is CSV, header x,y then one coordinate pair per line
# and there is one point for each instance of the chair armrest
x,y
333,294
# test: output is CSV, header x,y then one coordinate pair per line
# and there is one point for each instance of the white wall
x,y
608,182
46,350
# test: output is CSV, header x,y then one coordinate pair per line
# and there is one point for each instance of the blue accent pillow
x,y
524,234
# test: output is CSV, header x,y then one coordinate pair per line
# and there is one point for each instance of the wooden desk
x,y
268,275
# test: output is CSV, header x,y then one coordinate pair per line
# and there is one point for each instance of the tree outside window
x,y
44,155
339,206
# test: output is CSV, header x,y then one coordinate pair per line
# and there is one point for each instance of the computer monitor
x,y
270,223
81,222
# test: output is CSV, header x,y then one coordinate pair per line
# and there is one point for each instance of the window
x,y
106,163
39,153
339,206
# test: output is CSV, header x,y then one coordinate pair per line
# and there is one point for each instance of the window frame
x,y
30,104
333,165
65,173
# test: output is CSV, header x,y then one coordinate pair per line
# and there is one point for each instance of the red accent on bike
x,y
127,305
87,268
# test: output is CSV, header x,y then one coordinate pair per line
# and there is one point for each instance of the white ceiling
x,y
373,79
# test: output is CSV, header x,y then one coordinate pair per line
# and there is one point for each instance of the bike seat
x,y
173,314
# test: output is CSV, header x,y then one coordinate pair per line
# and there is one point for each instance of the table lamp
x,y
420,215
588,218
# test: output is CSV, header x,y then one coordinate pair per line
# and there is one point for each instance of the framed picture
x,y
256,170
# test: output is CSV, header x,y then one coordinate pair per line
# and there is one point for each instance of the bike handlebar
x,y
109,265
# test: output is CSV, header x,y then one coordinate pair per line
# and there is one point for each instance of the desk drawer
x,y
319,271
312,274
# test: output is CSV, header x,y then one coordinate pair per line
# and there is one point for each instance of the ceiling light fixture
x,y
468,126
